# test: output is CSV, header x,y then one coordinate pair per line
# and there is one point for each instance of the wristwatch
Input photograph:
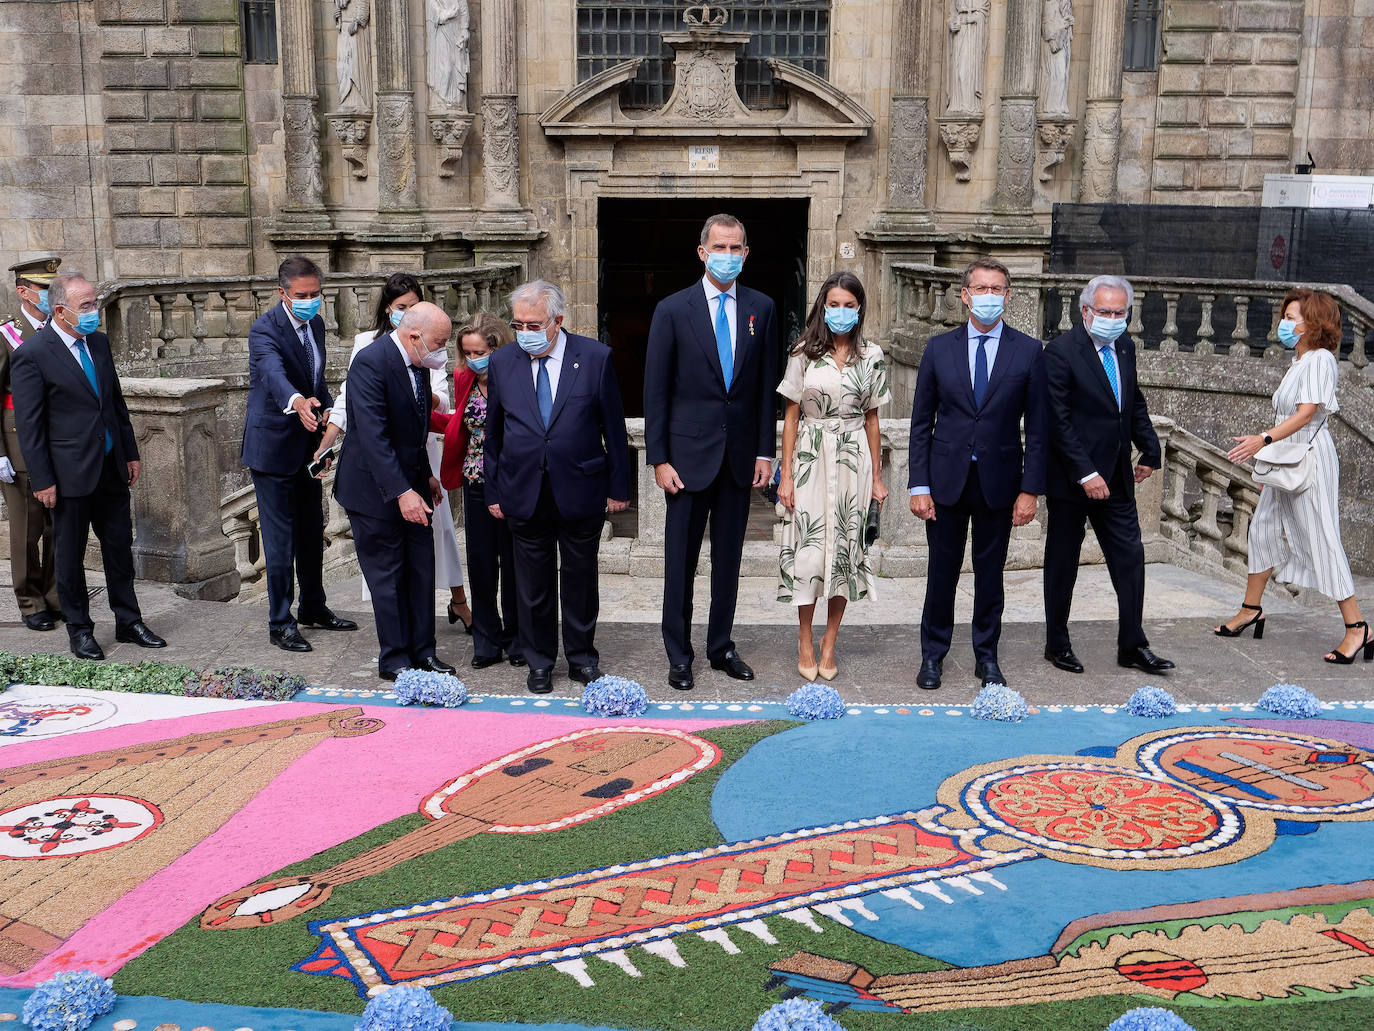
x,y
1267,439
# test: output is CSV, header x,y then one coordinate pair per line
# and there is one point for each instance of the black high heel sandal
x,y
1342,659
453,617
1256,621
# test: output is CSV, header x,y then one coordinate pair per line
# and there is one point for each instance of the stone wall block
x,y
224,232
1267,15
156,201
1191,80
115,42
205,11
176,169
1273,112
178,232
1180,110
1184,143
129,170
1186,47
1255,171
228,137
125,107
224,170
213,200
1263,80
1193,14
1271,143
132,12
170,40
1231,48
1224,111
216,40
171,106
135,232
124,74
139,138
124,200
1278,49
212,107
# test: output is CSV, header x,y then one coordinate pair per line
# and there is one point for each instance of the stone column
x,y
500,127
178,538
1102,120
300,120
396,187
1016,134
910,110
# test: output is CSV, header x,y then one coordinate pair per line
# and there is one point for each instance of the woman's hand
x,y
787,493
1246,447
879,491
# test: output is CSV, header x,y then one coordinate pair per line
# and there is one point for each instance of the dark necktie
x,y
980,372
421,391
309,350
543,393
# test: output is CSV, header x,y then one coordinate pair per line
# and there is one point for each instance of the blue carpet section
x,y
823,773
149,1012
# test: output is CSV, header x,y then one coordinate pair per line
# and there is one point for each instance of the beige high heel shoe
x,y
808,672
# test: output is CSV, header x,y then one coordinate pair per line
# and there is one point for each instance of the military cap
x,y
36,270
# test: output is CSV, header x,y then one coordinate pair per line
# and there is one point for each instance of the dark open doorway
x,y
647,250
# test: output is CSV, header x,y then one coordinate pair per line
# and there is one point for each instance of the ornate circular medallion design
x,y
1284,773
74,825
49,716
1100,811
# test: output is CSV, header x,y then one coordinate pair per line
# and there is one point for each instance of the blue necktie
x,y
421,392
543,393
309,353
1109,365
980,372
723,342
88,367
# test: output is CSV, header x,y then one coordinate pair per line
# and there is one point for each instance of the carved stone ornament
x,y
906,182
304,180
960,136
1055,136
449,132
1016,154
705,16
396,151
351,128
448,34
966,48
704,90
1101,146
500,151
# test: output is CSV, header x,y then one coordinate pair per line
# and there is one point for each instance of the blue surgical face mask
x,y
479,365
87,322
841,320
306,310
725,268
43,302
532,341
987,308
396,316
1288,333
1106,330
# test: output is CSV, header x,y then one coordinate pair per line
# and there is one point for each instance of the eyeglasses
x,y
533,327
85,309
1107,313
979,291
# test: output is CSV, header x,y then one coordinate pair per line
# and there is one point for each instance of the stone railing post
x,y
178,538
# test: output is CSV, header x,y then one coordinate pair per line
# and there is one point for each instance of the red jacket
x,y
454,431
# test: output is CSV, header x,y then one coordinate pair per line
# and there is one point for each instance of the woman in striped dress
x,y
1296,537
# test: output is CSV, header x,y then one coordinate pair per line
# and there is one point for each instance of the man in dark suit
x,y
974,387
1097,413
385,484
288,403
555,460
709,432
32,571
75,433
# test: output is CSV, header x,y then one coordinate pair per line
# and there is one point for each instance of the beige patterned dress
x,y
832,471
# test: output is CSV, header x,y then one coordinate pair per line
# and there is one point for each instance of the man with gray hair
x,y
1097,416
556,459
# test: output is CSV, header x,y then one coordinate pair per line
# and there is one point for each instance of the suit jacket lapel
x,y
294,351
959,356
526,369
401,374
567,377
68,365
745,338
1096,371
704,322
999,368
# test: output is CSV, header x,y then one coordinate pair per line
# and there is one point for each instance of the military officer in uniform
x,y
31,532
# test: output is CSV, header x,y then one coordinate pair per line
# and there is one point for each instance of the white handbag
x,y
1287,465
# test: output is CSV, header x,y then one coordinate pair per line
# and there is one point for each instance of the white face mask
x,y
436,361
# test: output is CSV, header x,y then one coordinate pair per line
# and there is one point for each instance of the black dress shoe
x,y
1143,659
989,673
55,615
584,674
517,660
680,677
84,646
288,639
139,634
929,677
325,620
39,621
483,661
733,666
388,674
1064,659
435,665
540,681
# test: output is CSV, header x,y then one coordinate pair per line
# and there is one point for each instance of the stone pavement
x,y
879,644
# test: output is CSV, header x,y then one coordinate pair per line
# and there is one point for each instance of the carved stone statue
x,y
967,52
1056,28
448,33
353,60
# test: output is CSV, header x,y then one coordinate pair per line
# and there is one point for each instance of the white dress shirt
x,y
35,323
731,309
555,365
296,324
994,336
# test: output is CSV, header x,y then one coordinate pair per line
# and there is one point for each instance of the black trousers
x,y
106,511
291,521
1118,531
397,560
555,567
491,567
946,535
726,504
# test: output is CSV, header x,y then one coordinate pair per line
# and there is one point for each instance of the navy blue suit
x,y
62,426
552,484
383,457
276,450
1091,433
972,459
711,434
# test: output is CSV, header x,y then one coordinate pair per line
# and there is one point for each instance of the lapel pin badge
x,y
751,325
575,365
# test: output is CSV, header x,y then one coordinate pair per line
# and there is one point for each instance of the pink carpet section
x,y
341,788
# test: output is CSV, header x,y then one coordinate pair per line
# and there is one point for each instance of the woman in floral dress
x,y
831,465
